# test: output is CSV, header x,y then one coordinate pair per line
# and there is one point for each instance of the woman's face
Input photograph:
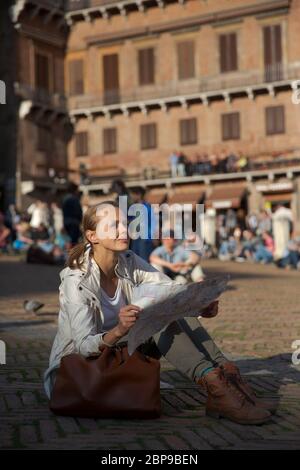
x,y
111,231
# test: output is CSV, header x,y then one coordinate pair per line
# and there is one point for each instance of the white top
x,y
111,307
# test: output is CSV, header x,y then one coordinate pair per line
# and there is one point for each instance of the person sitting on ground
x,y
193,245
175,261
96,312
43,250
248,248
291,257
265,250
23,237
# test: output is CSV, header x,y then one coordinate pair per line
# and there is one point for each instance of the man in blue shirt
x,y
175,261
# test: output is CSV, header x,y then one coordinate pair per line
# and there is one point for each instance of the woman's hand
x,y
127,318
211,311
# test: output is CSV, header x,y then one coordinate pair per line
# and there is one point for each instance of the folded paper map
x,y
165,303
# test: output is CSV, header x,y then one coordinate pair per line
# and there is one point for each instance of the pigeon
x,y
32,305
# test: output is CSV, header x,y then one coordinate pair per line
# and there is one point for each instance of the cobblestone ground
x,y
259,319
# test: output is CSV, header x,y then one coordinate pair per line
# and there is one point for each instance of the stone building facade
x,y
36,119
200,76
138,79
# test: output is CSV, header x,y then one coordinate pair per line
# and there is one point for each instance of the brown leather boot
x,y
232,372
225,400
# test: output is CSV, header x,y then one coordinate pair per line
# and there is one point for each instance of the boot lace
x,y
234,387
237,380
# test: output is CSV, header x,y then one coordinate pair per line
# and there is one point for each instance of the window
x,y
109,140
230,126
275,120
44,139
111,78
148,136
228,52
76,82
42,71
146,66
81,144
186,60
272,52
188,131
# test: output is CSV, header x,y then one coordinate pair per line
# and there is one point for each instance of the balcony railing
x,y
41,97
204,86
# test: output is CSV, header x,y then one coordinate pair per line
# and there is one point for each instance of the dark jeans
x,y
292,259
186,345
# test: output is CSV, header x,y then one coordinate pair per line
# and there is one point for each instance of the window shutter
x,y
232,51
109,140
76,81
222,49
228,52
186,60
148,136
81,144
225,127
272,52
275,120
230,126
111,78
146,66
188,131
235,126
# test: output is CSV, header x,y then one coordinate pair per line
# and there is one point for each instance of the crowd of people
x,y
263,237
46,231
204,164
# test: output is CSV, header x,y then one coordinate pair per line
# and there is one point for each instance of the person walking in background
x,y
143,246
72,213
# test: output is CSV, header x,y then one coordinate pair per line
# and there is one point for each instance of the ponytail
x,y
75,258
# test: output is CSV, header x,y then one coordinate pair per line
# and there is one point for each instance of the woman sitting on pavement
x,y
96,312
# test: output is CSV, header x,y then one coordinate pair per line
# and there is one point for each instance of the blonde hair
x,y
89,222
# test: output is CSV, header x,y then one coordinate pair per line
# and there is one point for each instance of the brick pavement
x,y
258,320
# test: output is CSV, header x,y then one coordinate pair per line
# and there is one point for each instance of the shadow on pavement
x,y
18,279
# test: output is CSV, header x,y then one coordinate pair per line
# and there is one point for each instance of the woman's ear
x,y
91,236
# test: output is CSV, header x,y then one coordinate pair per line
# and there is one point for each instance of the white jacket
x,y
80,317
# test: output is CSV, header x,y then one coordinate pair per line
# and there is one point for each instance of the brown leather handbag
x,y
111,385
